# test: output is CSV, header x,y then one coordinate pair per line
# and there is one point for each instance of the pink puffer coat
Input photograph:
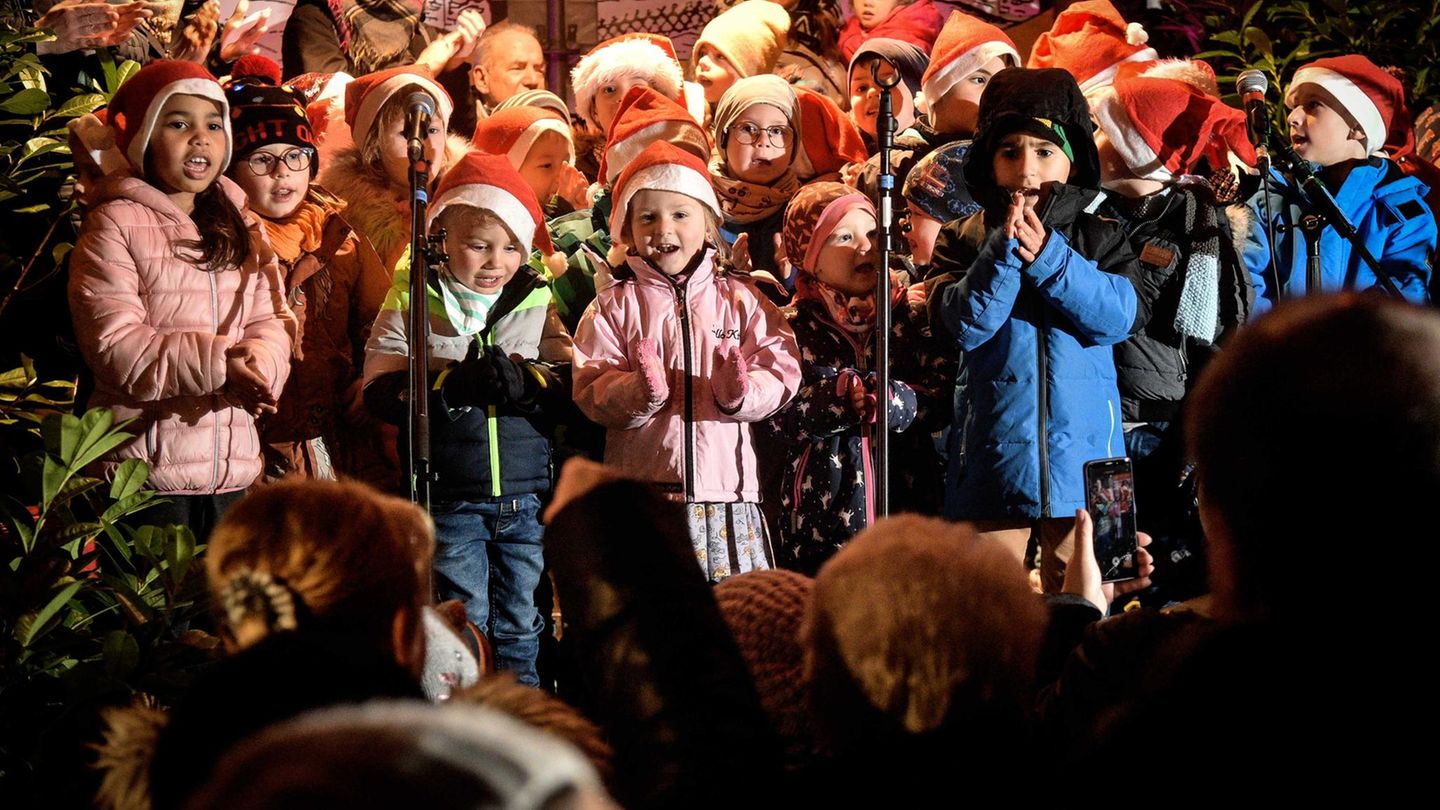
x,y
694,325
154,328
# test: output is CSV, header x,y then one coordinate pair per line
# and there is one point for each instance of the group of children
x,y
255,322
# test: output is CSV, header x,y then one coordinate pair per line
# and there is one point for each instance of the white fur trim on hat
x,y
662,177
193,86
494,199
527,139
373,100
1358,105
1138,155
629,57
1106,77
961,66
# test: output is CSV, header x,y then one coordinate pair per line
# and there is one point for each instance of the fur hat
x,y
262,112
1368,95
512,132
1091,40
829,138
1044,102
649,55
964,45
1161,128
812,214
489,182
646,116
661,166
750,35
135,108
366,95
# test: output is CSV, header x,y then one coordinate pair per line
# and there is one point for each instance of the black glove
x,y
487,377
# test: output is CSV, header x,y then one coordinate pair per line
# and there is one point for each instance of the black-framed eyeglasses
x,y
264,163
750,134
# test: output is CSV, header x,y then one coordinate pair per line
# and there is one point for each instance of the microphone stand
x,y
422,252
885,134
1327,211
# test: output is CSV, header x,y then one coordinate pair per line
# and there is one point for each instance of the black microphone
x,y
419,108
1252,86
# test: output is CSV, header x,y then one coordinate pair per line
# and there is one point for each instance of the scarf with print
x,y
853,313
375,34
466,309
751,202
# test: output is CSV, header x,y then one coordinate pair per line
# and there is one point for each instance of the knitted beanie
x,y
936,183
909,59
512,132
746,93
648,55
764,611
536,98
135,108
811,216
1371,97
750,35
262,112
965,44
1091,40
1046,103
367,94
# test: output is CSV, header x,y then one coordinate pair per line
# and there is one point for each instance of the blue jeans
x,y
472,538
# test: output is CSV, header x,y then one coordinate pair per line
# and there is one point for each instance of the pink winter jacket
x,y
694,324
154,329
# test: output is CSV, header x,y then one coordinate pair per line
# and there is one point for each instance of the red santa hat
x,y
489,182
135,109
644,117
512,132
829,139
648,55
1162,127
964,45
1371,97
661,166
366,95
1091,40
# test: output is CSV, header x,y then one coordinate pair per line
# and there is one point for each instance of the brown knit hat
x,y
764,610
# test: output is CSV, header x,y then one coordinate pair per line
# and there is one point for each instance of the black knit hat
x,y
910,60
263,112
1046,103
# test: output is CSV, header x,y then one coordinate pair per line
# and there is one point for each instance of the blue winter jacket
x,y
1037,370
1386,207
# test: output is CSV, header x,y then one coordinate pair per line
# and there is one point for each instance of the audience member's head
x,y
403,754
1317,439
508,59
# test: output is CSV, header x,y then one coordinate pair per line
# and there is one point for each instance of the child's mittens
x,y
731,380
651,371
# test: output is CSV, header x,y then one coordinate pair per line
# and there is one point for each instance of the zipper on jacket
x,y
1043,398
684,314
492,429
215,434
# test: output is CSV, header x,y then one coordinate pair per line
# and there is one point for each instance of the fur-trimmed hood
x,y
375,209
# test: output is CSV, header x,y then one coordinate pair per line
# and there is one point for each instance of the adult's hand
x,y
241,36
90,24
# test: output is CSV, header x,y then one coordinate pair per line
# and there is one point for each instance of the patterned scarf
x,y
466,309
1198,313
751,202
853,313
375,34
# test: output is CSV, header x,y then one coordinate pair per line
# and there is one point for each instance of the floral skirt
x,y
728,538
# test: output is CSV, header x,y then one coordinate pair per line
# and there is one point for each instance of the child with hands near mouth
x,y
334,283
495,351
1034,290
678,358
827,493
178,305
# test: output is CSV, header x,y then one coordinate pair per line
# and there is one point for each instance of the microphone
x,y
1252,86
419,108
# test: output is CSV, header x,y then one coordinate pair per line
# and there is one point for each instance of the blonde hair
x,y
304,552
369,143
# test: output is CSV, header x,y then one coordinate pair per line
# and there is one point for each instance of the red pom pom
x,y
256,66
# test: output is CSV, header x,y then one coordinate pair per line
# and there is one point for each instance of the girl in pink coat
x,y
176,298
679,357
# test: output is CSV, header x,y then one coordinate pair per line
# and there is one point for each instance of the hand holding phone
x,y
1110,500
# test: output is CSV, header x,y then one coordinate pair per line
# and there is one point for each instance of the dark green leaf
x,y
80,105
122,653
130,476
128,505
30,101
37,622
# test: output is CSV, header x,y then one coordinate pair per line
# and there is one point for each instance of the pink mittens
x,y
731,381
652,371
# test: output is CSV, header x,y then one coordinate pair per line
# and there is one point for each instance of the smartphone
x,y
1110,499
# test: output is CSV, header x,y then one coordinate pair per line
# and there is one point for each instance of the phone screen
x,y
1110,499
